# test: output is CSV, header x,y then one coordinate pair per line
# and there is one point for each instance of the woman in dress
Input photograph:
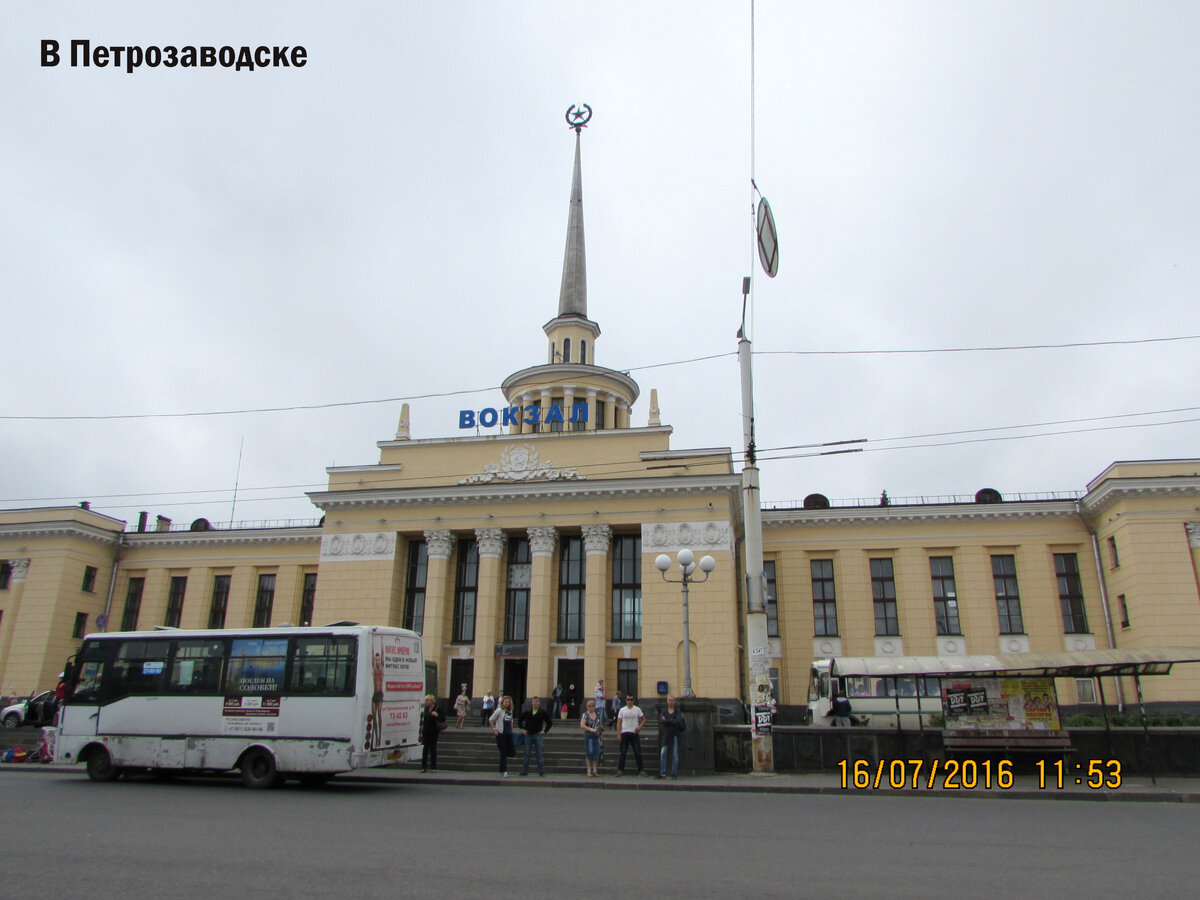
x,y
462,703
502,724
592,725
431,719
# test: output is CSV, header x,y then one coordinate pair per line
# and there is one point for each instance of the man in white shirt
x,y
629,722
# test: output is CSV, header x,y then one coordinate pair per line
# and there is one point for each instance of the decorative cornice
x,y
490,541
305,535
358,547
1113,490
20,568
555,373
35,530
520,462
438,543
905,515
542,539
662,537
596,539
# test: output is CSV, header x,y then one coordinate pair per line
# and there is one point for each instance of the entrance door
x,y
515,673
461,672
570,676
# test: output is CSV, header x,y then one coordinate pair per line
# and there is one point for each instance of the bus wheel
x,y
314,779
258,770
100,765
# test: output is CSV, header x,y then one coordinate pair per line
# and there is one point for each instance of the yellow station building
x,y
526,557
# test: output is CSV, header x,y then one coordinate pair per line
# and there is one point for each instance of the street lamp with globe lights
x,y
687,566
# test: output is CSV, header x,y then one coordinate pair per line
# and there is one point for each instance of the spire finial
x,y
579,116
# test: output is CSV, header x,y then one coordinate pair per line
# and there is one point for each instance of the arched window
x,y
566,349
583,352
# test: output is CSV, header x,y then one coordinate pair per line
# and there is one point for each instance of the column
x,y
596,541
545,395
592,424
16,589
487,606
542,540
524,427
568,406
610,412
437,589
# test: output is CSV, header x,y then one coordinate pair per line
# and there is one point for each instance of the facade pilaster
x,y
592,424
542,541
597,539
12,608
488,607
437,586
610,412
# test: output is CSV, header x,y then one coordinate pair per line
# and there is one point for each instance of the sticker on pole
x,y
768,240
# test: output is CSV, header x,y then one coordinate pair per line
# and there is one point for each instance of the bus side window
x,y
87,688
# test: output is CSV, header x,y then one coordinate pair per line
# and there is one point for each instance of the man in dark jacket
x,y
534,723
841,710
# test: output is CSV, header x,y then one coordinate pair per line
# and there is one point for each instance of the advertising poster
x,y
398,675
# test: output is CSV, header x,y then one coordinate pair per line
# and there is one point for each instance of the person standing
x,y
559,696
534,724
617,706
592,724
670,731
432,722
486,707
501,721
841,710
462,703
630,721
600,707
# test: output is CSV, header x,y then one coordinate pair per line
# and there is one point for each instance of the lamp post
x,y
687,566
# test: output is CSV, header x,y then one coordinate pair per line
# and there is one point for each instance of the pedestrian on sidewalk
x,y
432,723
600,707
559,696
534,725
462,703
630,721
487,706
593,733
670,731
501,721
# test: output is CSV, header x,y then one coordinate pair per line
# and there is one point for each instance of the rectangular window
x,y
556,405
256,665
1085,690
770,598
599,426
945,597
1114,559
571,585
883,591
516,603
466,586
89,579
308,599
1008,598
627,587
1070,593
220,602
197,667
175,601
414,588
627,678
1124,610
5,575
323,665
264,601
133,604
824,599
80,628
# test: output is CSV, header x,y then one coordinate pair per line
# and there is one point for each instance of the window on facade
x,y
414,586
466,587
264,600
883,591
175,601
627,677
1070,593
1085,690
1114,559
5,575
220,602
554,415
599,426
627,587
571,586
824,599
308,599
945,597
770,598
89,579
80,628
1124,611
1008,598
566,349
583,352
133,604
516,603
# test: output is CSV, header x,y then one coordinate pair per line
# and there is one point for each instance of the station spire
x,y
572,297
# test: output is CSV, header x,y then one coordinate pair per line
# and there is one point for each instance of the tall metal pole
x,y
758,653
687,644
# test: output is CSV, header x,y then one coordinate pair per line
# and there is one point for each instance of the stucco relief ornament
x,y
521,463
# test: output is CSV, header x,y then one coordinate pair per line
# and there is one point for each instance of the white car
x,y
37,710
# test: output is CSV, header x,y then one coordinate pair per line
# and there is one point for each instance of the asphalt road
x,y
63,835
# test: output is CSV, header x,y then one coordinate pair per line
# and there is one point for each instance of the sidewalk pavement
x,y
1135,788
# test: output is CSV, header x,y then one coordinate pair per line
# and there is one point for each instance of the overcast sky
x,y
388,222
